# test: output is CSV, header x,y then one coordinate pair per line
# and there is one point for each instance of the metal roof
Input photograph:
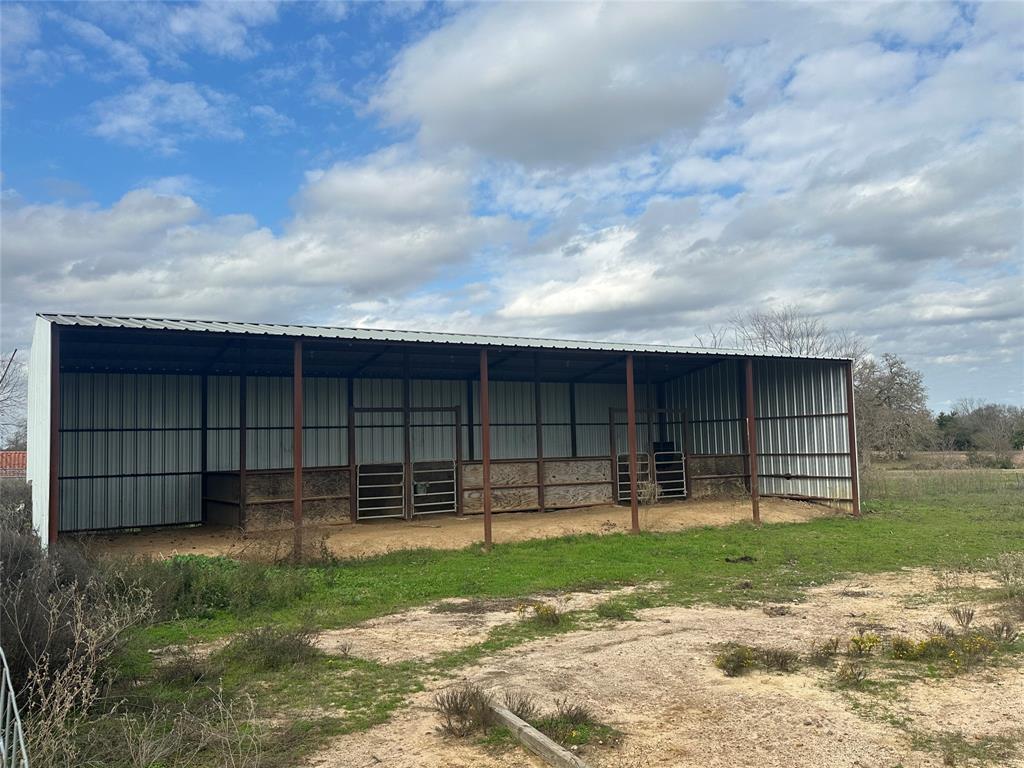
x,y
381,335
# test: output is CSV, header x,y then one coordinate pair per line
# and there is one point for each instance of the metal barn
x,y
141,422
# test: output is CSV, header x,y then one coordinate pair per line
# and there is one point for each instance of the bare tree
x,y
790,331
12,394
892,411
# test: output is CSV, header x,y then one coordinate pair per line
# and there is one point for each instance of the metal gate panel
x,y
433,487
380,491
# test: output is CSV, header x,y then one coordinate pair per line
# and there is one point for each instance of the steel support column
x,y
634,507
407,489
350,442
243,392
851,428
54,479
539,422
748,367
485,445
297,447
204,461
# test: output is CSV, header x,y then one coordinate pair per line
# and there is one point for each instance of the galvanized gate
x,y
415,471
661,464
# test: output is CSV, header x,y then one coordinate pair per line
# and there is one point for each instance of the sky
x,y
602,171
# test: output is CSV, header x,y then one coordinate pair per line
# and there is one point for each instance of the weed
x,y
574,712
547,615
184,666
736,661
464,709
823,653
963,615
1004,631
863,644
775,610
942,629
901,648
851,674
778,659
271,647
520,703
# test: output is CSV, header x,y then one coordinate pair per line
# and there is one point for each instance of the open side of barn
x,y
142,422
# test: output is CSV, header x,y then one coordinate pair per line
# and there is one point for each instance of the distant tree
x,y
974,425
892,411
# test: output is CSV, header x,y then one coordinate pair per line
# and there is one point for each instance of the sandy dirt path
x,y
449,532
654,679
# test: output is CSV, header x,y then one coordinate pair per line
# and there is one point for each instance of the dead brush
x,y
271,647
574,712
1004,631
778,659
464,709
521,703
963,615
822,653
184,666
775,610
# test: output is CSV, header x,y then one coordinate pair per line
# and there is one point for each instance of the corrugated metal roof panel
x,y
374,334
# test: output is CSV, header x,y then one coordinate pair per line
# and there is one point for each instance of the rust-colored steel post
x,y
243,481
204,407
53,513
851,428
752,440
539,425
407,486
634,506
485,445
350,447
297,447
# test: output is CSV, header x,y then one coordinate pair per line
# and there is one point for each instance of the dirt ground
x,y
654,680
449,532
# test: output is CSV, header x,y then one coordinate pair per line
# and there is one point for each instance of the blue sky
x,y
580,170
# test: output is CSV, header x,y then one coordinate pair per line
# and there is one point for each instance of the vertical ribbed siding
x,y
379,435
129,450
432,436
324,422
222,411
711,399
801,409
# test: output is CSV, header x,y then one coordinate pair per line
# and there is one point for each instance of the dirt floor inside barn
x,y
451,532
654,680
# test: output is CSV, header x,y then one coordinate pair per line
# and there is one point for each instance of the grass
x,y
937,529
315,697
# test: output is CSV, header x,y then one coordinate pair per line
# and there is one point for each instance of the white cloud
x,y
162,114
363,231
273,121
560,84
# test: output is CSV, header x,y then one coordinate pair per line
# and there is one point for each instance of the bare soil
x,y
655,680
450,532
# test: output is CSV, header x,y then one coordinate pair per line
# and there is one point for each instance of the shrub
x,y
62,621
196,586
863,644
547,615
736,661
521,704
270,647
851,674
824,652
1009,570
574,712
1004,631
185,667
778,659
901,648
962,615
464,709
